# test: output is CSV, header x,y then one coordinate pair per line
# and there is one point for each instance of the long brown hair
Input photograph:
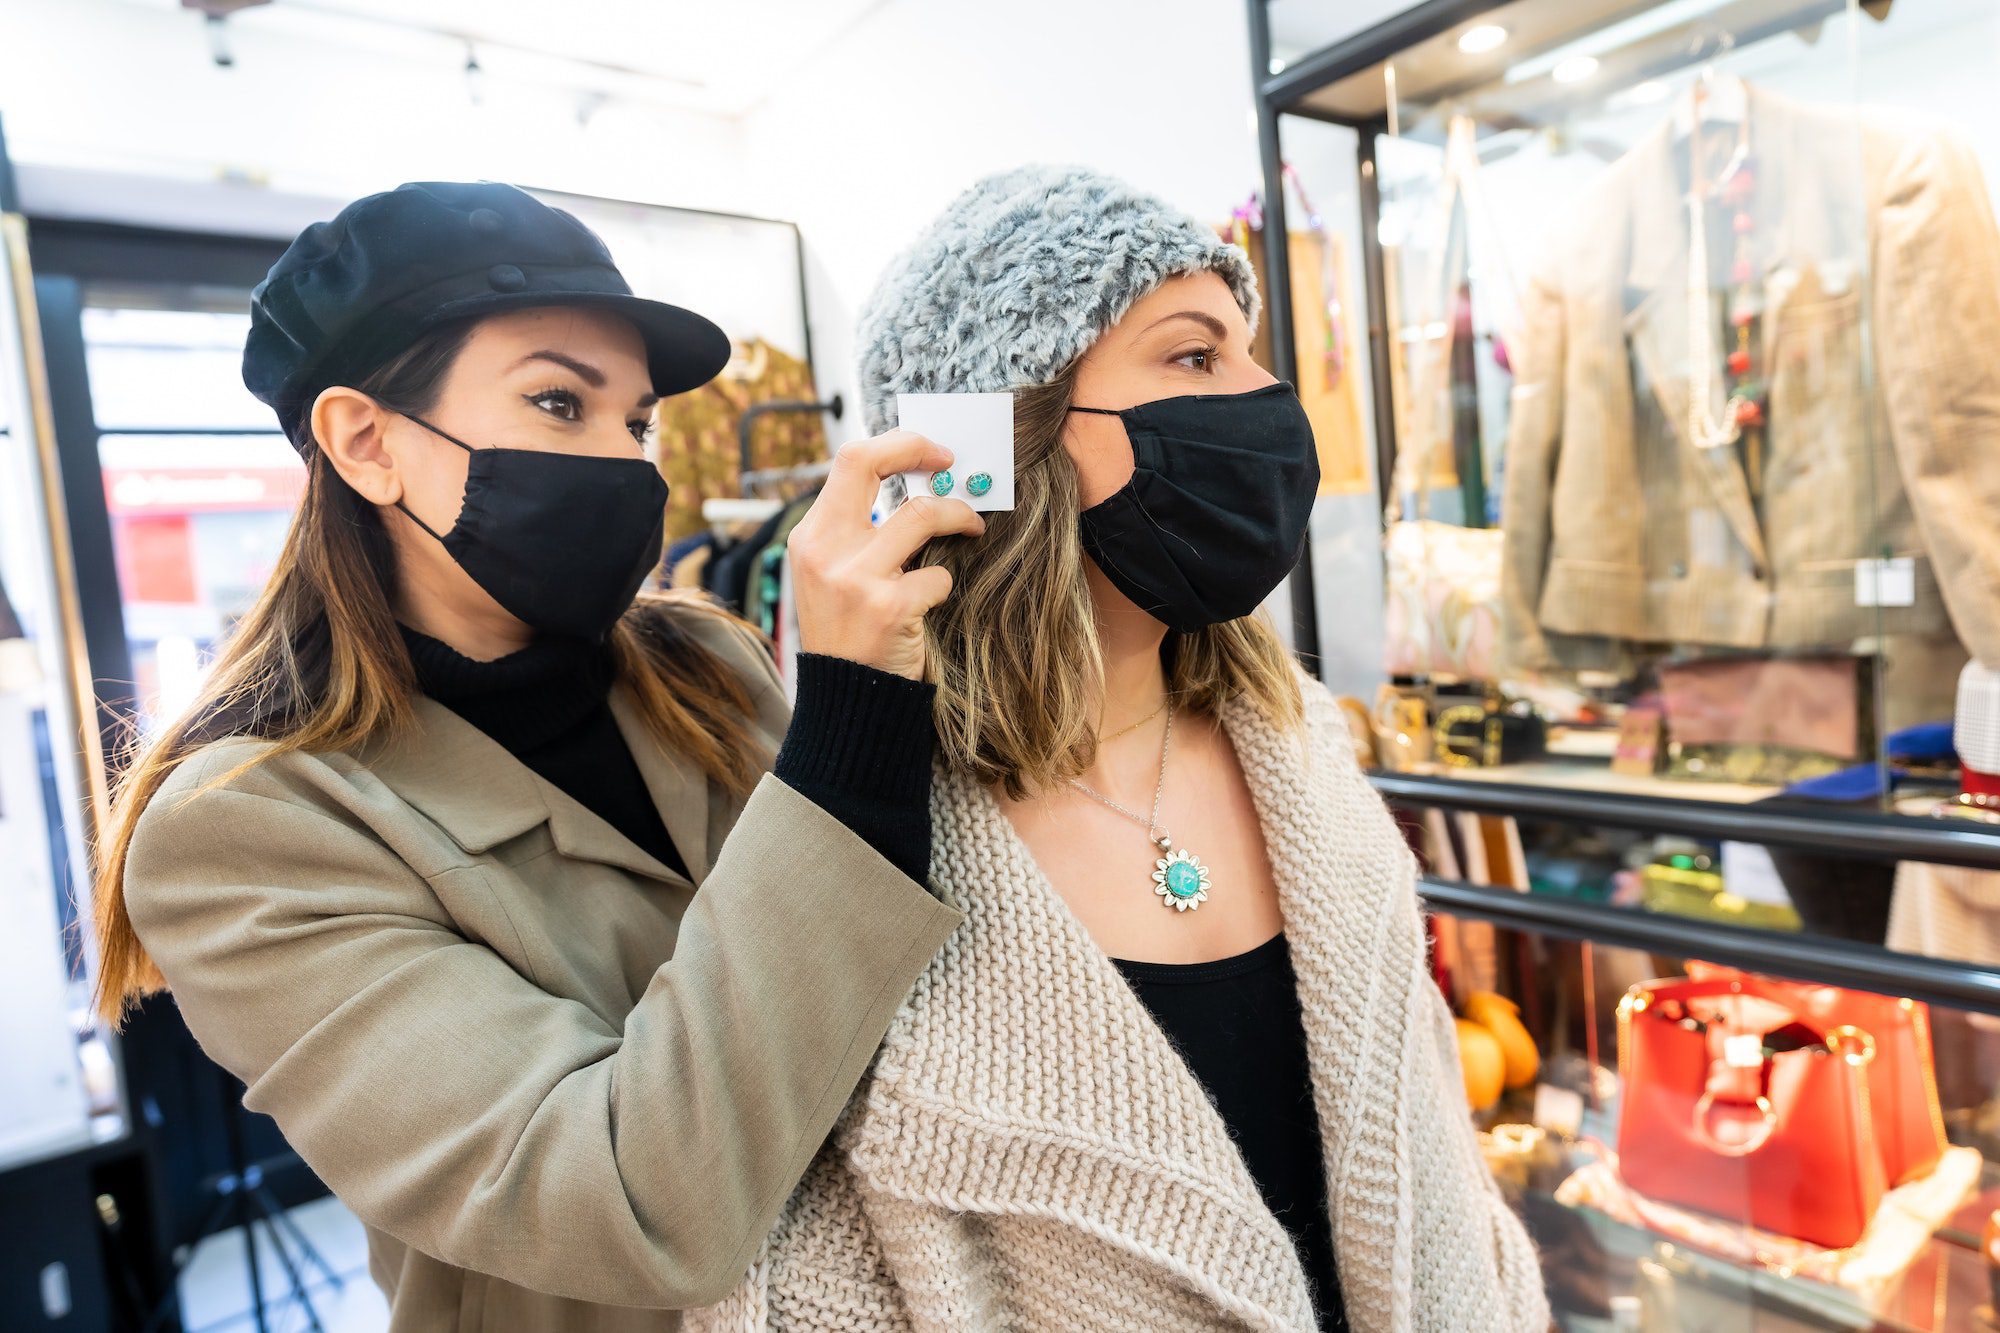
x,y
318,665
1015,651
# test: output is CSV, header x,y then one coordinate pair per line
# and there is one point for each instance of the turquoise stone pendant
x,y
978,484
941,483
1180,879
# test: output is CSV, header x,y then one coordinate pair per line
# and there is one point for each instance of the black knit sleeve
x,y
859,747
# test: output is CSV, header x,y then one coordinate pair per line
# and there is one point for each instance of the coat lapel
x,y
1024,1050
461,779
1661,328
479,794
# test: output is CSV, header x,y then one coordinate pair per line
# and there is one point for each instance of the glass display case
x,y
1686,340
1696,1146
1665,617
1681,325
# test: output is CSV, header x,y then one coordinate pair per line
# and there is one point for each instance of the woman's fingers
x,y
926,588
916,521
859,469
853,596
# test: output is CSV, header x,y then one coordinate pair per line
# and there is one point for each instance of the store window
x,y
198,484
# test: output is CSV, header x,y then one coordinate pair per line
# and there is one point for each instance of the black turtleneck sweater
x,y
859,745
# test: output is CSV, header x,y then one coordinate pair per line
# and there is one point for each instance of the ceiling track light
x,y
1575,69
215,13
1481,38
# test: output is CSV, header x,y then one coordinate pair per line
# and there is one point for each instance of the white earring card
x,y
978,428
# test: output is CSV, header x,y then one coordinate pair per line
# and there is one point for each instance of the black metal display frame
x,y
1878,836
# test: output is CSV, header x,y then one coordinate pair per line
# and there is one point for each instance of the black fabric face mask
x,y
562,541
1215,514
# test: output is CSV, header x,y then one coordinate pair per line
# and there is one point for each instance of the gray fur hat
x,y
1019,276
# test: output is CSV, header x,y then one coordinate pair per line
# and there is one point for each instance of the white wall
x,y
863,145
924,97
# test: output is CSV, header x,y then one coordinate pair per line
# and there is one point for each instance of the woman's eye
x,y
642,431
559,402
1201,358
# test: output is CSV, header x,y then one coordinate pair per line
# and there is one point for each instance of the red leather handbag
x,y
1902,1078
1747,1107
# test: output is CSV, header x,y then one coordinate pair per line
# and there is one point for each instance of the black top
x,y
859,745
1237,1024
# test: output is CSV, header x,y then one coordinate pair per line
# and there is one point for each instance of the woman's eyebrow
x,y
1201,317
586,372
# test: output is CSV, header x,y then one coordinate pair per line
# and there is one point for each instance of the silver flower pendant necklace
x,y
1179,877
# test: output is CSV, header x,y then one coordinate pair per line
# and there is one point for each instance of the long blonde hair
x,y
319,665
1015,651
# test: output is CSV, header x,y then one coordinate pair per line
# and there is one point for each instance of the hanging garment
x,y
699,450
687,572
762,591
1621,527
1946,912
731,571
1328,382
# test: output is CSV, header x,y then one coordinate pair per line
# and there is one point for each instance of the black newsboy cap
x,y
352,292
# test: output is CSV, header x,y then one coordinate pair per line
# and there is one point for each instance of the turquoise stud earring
x,y
941,483
978,484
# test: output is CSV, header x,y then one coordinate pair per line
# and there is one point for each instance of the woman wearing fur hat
x,y
1181,1067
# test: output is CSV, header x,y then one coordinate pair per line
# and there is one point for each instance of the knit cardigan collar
x,y
1023,1080
1095,1094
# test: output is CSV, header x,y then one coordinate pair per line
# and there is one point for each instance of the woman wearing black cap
x,y
421,864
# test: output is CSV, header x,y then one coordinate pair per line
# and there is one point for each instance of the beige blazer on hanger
x,y
1879,267
564,1087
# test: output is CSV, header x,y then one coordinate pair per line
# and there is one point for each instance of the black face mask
x,y
563,541
1215,514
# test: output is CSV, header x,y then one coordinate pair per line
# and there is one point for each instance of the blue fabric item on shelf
x,y
1926,742
1849,784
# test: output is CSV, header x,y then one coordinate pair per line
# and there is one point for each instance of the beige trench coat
x,y
562,1086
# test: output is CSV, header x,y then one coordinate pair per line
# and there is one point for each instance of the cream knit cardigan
x,y
1030,1153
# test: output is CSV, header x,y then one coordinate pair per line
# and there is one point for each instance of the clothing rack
x,y
746,424
767,475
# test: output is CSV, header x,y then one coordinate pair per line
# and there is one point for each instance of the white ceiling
x,y
722,56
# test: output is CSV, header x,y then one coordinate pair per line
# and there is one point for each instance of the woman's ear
x,y
351,430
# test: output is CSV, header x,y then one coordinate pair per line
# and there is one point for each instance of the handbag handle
x,y
1845,1042
1705,1104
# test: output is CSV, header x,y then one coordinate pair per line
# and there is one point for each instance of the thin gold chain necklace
x,y
1179,877
1126,731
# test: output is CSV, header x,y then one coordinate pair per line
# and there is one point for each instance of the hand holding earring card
x,y
978,428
